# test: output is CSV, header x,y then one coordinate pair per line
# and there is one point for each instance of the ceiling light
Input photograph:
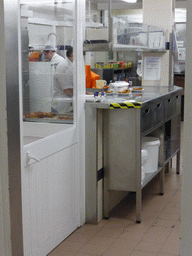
x,y
130,1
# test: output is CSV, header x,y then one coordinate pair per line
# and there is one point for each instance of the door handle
x,y
30,156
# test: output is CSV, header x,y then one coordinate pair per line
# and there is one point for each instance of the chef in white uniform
x,y
63,85
51,54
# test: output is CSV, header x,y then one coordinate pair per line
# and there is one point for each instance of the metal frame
x,y
12,33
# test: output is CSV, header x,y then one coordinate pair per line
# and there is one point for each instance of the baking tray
x,y
50,119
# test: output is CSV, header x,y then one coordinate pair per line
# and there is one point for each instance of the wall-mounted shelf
x,y
99,47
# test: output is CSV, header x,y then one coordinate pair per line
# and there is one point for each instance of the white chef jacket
x,y
63,79
56,58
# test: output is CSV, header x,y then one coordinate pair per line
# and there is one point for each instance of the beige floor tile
x,y
135,228
170,249
117,222
61,253
102,240
83,254
79,238
165,254
164,223
129,244
66,246
169,216
137,253
148,221
148,247
110,232
171,210
89,229
94,249
116,251
136,236
172,245
159,230
155,238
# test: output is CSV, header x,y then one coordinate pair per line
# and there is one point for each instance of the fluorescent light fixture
x,y
130,1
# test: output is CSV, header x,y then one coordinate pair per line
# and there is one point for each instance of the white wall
x,y
5,241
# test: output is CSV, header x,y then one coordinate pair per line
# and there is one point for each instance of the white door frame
x,y
80,110
12,45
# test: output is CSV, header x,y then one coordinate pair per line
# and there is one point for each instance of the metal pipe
x,y
110,23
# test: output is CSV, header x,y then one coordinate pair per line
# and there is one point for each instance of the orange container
x,y
88,76
34,56
121,64
94,77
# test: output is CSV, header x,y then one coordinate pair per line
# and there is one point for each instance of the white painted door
x,y
50,192
53,159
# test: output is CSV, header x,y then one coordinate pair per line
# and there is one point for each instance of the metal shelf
x,y
118,47
99,47
150,176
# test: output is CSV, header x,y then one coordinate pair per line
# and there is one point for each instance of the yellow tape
x,y
125,105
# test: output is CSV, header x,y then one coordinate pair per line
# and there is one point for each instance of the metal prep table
x,y
155,112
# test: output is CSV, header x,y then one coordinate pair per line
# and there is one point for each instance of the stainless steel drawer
x,y
158,113
146,119
169,107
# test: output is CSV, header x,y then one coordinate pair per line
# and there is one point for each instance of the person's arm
x,y
68,92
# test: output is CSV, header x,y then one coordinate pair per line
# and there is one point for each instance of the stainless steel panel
x,y
158,113
13,125
90,164
122,151
146,119
169,107
178,104
175,134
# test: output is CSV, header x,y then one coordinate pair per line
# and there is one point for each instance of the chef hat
x,y
49,48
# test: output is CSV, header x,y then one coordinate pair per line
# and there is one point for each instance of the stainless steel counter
x,y
149,95
154,112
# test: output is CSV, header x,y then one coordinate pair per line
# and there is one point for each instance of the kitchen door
x,y
51,152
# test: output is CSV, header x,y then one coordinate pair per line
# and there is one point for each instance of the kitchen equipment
x,y
100,84
151,144
118,86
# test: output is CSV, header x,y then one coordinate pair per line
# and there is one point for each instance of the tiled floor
x,y
156,235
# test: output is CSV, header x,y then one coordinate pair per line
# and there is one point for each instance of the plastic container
x,y
151,144
118,86
144,157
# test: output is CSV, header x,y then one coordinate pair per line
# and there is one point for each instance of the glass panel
x,y
130,33
47,61
180,47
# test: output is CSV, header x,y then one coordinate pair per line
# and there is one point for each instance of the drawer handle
x,y
177,96
147,111
159,105
169,100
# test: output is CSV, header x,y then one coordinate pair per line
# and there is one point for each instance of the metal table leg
x,y
138,205
162,182
178,163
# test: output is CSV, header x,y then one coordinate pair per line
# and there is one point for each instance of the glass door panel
x,y
47,61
